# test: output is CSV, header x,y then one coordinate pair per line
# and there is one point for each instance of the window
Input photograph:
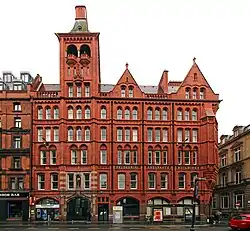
x,y
135,134
54,181
53,157
193,176
180,157
151,181
78,113
165,135
195,135
194,94
70,113
194,115
70,134
17,87
130,92
157,157
164,114
48,113
239,199
238,177
150,157
43,157
103,134
78,134
16,183
79,91
87,113
83,156
121,181
87,90
56,134
41,181
157,135
157,114
119,113
195,157
187,94
127,157
78,181
123,92
223,160
237,154
56,113
103,113
135,114
187,157
133,181
73,157
127,134
149,114
187,135
165,157
182,179
17,123
164,181
17,142
48,134
87,134
150,134
119,134
225,202
70,90
179,135
134,157
223,179
86,180
202,93
179,114
103,181
127,114
17,107
187,115
40,113
71,182
16,164
103,157
119,157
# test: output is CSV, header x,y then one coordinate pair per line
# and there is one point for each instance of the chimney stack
x,y
81,12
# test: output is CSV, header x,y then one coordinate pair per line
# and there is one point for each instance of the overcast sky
x,y
150,35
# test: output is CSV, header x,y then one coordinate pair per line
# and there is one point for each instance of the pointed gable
x,y
126,82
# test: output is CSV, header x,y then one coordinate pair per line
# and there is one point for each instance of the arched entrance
x,y
131,207
47,209
79,208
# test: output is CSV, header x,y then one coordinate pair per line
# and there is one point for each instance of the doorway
x,y
103,212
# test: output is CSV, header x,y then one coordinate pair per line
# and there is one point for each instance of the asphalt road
x,y
110,228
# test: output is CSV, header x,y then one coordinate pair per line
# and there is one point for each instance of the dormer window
x,y
25,77
7,78
130,92
123,92
236,133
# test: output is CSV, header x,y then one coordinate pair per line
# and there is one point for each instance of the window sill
x,y
16,169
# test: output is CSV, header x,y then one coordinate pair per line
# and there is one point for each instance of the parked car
x,y
240,222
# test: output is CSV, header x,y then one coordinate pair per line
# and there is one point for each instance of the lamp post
x,y
195,196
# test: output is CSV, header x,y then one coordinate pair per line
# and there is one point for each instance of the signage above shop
x,y
14,194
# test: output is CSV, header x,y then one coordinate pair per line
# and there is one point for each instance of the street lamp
x,y
195,196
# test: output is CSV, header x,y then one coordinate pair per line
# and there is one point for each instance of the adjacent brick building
x,y
15,145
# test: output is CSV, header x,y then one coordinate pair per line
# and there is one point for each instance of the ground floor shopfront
x,y
104,208
14,206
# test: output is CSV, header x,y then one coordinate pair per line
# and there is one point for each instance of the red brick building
x,y
96,145
15,145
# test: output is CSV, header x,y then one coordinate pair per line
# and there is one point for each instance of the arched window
x,y
87,113
187,93
70,113
79,112
70,134
123,91
130,92
179,114
48,113
149,114
56,113
195,93
87,134
119,113
194,115
164,114
72,50
40,113
187,114
103,113
202,93
84,154
78,134
74,157
103,155
157,114
127,114
85,49
135,113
